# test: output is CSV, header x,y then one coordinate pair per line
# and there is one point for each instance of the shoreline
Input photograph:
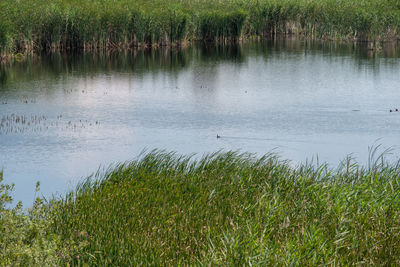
x,y
372,46
32,26
225,208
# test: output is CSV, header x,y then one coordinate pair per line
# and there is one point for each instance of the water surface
x,y
62,116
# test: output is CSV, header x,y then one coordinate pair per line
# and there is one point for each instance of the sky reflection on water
x,y
295,98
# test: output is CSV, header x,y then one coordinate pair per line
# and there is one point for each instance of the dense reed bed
x,y
31,25
224,209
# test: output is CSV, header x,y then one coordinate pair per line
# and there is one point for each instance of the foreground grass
x,y
28,25
226,208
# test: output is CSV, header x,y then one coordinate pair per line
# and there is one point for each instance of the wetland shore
x,y
31,26
225,208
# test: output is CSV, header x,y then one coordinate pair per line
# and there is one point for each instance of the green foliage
x,y
214,25
27,237
224,209
100,24
24,240
3,37
234,209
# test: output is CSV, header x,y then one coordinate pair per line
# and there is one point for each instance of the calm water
x,y
62,117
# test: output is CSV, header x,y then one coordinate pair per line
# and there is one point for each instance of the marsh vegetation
x,y
32,25
225,208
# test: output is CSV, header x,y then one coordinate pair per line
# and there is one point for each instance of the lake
x,y
64,116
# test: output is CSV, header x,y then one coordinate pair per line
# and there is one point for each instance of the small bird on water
x,y
218,136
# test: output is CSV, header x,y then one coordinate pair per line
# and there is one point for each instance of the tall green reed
x,y
234,209
28,25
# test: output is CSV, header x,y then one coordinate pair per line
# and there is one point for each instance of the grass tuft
x,y
222,209
234,209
